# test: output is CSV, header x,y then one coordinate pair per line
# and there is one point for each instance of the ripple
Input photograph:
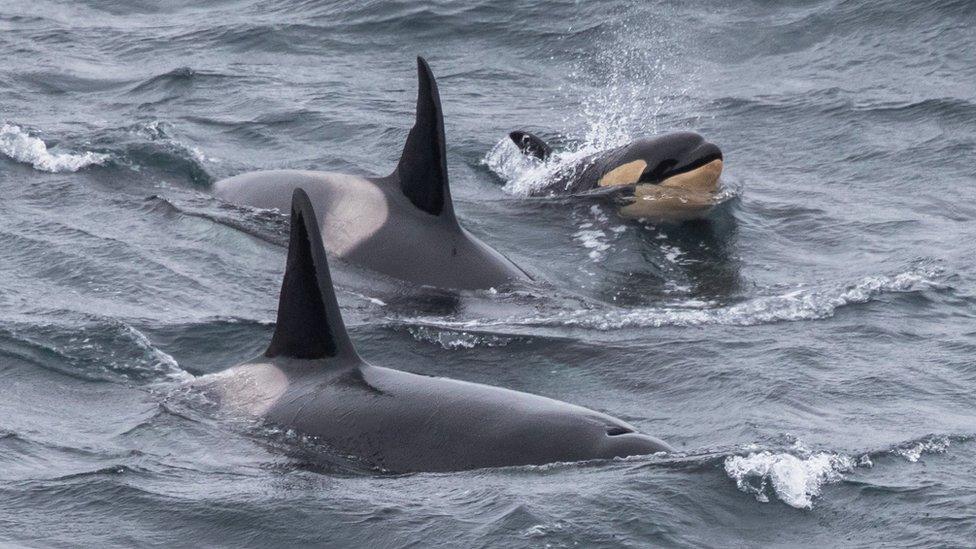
x,y
95,349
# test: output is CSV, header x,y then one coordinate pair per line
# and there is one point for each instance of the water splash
x,y
528,176
638,73
797,476
625,85
796,480
19,145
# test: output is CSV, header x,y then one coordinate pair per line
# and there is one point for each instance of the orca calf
x,y
673,176
402,225
311,380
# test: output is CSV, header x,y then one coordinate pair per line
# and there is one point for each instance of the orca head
x,y
683,160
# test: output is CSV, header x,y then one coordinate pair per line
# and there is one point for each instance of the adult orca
x,y
311,380
674,175
402,225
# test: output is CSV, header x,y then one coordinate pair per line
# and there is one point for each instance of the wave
x,y
268,225
96,348
804,304
837,102
175,77
795,480
155,147
793,306
158,360
797,476
148,145
914,450
20,146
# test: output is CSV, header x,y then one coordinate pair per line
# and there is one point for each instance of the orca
x,y
673,176
402,225
312,381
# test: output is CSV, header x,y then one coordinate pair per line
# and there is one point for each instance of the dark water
x,y
809,348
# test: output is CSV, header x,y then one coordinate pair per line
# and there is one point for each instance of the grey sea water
x,y
809,348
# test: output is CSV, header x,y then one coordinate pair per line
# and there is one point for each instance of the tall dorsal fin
x,y
309,322
422,171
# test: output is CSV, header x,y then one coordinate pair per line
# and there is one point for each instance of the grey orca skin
x,y
402,225
676,172
312,380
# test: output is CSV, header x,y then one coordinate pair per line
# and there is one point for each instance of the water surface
x,y
809,347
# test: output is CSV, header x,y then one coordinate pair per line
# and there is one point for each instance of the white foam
x,y
19,145
543,530
930,445
803,304
797,476
198,155
159,359
373,300
792,306
593,240
451,340
672,253
794,480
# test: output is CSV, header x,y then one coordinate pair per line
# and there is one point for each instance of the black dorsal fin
x,y
530,145
309,322
422,171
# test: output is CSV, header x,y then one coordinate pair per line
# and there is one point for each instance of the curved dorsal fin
x,y
309,322
422,170
531,145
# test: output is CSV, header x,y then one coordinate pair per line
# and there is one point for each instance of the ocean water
x,y
809,347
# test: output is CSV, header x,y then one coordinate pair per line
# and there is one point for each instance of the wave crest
x,y
793,306
794,480
20,146
798,305
796,476
914,450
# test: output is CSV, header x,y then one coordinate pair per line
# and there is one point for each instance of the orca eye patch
x,y
658,172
